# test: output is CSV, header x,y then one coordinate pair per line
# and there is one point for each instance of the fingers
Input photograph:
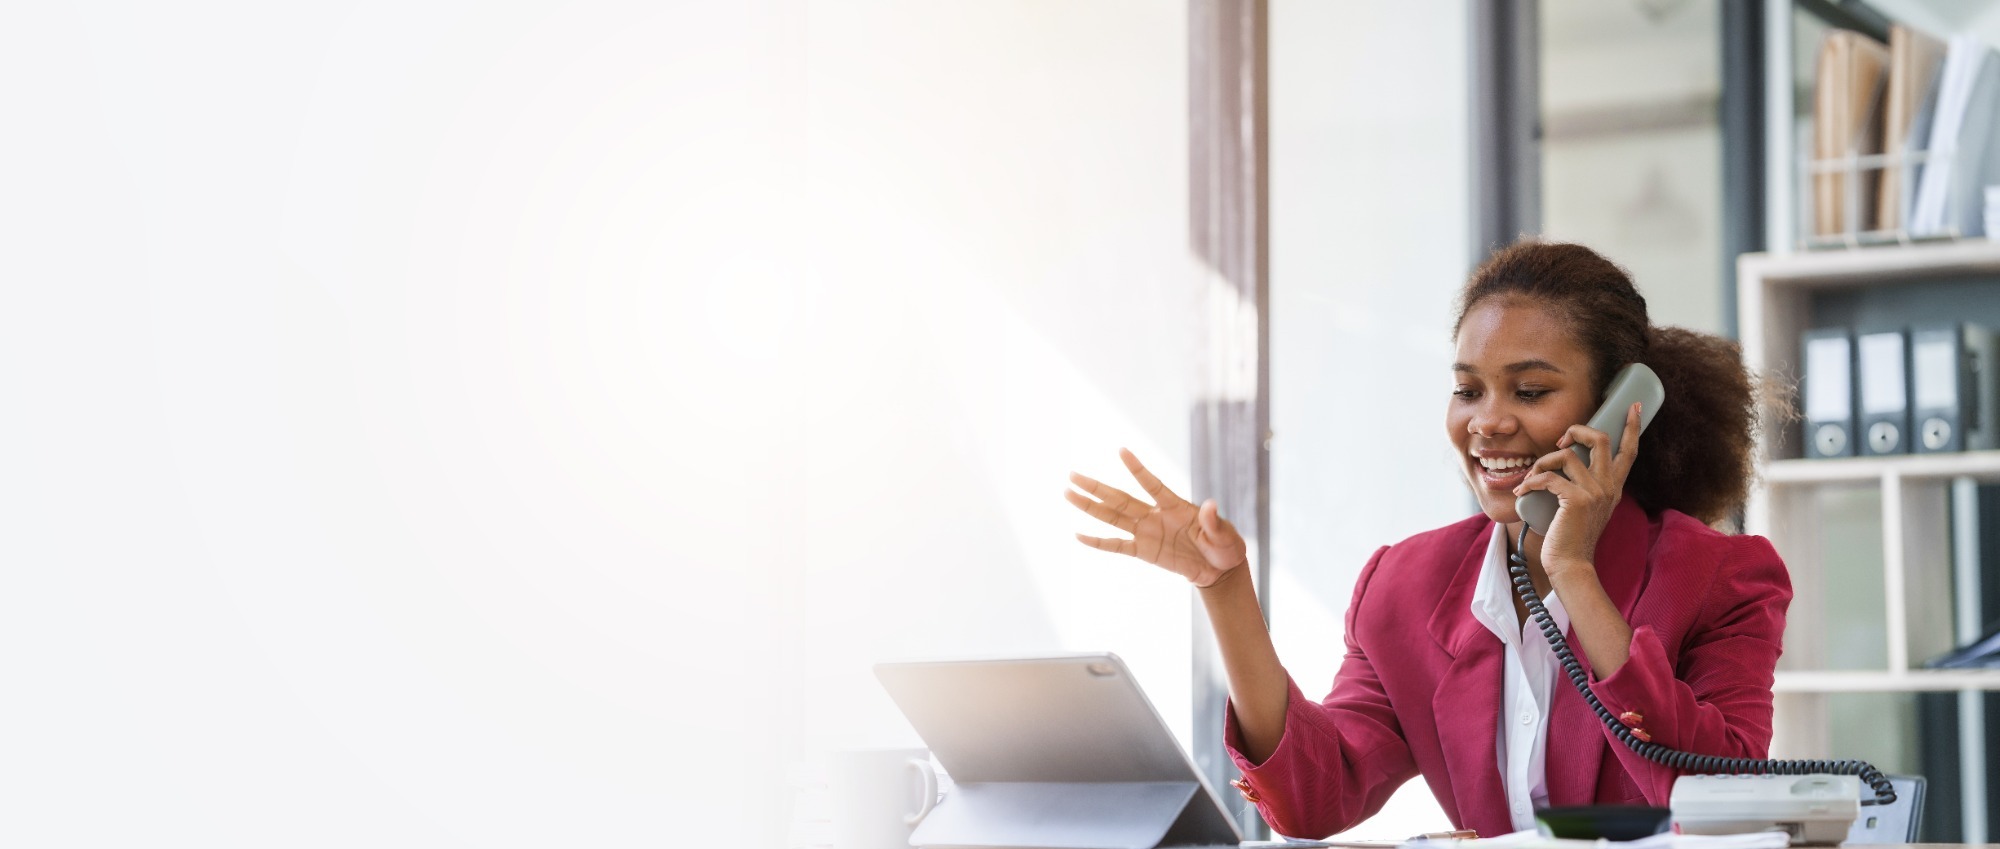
x,y
1558,460
1215,530
1159,491
1111,496
1597,441
1115,546
1212,522
1561,487
1101,512
1628,444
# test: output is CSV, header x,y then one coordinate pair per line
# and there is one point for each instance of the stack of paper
x,y
1964,153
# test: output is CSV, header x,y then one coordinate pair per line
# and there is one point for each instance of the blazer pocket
x,y
1626,793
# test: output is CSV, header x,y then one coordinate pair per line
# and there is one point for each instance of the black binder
x,y
1828,392
1883,387
1951,388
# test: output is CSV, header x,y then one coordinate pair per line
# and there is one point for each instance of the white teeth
x,y
1499,464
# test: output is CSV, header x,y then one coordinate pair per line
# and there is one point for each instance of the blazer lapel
x,y
1578,744
1466,706
1451,623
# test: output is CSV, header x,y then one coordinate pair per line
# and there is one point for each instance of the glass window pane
x,y
1632,145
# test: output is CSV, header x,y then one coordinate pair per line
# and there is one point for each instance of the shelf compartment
x,y
1775,293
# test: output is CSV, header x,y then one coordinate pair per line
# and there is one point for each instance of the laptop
x,y
1055,752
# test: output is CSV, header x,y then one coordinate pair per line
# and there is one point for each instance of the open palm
x,y
1171,533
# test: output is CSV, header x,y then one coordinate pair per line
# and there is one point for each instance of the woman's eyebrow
x,y
1511,368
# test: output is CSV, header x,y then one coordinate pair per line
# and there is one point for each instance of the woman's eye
x,y
1465,393
1530,394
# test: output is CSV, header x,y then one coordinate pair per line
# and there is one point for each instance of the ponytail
x,y
1696,455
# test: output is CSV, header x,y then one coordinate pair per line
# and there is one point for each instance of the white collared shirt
x,y
1530,673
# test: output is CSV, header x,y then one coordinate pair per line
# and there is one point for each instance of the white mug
x,y
879,796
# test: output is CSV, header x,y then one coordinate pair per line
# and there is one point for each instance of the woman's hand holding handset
x,y
1191,541
1586,492
1570,494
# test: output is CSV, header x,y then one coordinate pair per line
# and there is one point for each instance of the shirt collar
x,y
1493,594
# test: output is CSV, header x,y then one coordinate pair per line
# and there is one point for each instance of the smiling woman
x,y
1444,676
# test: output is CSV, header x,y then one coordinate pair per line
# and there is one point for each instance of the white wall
x,y
1000,210
439,423
368,421
1370,211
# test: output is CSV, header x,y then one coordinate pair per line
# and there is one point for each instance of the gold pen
x,y
1448,835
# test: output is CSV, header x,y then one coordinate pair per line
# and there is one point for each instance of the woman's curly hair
x,y
1696,455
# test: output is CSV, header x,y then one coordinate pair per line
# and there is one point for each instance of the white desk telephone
x,y
1813,809
1814,801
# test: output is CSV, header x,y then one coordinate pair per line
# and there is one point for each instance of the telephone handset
x,y
1637,382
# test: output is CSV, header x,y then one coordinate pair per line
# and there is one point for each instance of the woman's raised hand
x,y
1192,542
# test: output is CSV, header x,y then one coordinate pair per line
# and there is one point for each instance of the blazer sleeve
x,y
1718,702
1338,760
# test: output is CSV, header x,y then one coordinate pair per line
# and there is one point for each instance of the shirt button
x,y
1527,718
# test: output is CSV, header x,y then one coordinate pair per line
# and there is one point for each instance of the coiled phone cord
x,y
1885,793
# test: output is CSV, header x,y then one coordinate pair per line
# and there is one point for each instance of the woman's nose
x,y
1489,422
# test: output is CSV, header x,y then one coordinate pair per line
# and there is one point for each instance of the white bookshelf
x,y
1921,591
1983,466
1908,681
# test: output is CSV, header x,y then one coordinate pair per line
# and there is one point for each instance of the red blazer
x,y
1419,690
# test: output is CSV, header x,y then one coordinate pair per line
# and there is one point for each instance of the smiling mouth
x,y
1502,472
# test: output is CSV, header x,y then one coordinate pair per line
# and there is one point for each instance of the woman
x,y
1678,625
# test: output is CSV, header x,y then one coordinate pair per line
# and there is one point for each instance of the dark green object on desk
x,y
1606,822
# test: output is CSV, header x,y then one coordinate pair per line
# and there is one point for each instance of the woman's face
x,y
1519,382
